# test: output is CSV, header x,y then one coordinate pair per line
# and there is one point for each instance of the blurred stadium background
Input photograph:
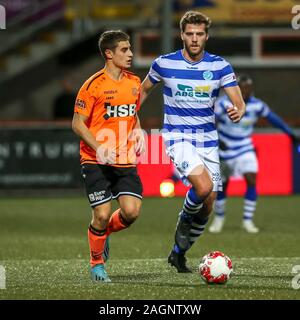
x,y
47,49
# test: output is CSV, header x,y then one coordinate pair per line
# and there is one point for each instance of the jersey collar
x,y
193,63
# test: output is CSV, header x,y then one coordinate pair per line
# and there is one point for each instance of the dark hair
x,y
194,17
110,39
242,78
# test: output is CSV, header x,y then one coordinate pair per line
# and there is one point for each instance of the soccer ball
x,y
215,267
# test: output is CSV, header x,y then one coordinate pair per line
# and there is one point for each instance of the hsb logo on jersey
x,y
123,110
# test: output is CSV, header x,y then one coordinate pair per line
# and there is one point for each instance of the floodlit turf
x,y
44,250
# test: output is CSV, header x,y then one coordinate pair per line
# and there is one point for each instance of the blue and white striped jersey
x,y
190,91
237,136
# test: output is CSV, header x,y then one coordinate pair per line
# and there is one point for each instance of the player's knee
x,y
204,191
130,213
100,217
250,179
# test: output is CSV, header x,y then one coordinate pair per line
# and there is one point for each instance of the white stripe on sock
x,y
250,202
250,209
220,207
195,231
196,206
188,210
189,199
248,215
196,225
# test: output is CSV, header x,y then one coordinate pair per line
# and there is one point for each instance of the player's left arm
x,y
139,138
146,87
238,108
279,123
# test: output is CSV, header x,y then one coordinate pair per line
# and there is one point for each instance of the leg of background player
x,y
220,204
250,203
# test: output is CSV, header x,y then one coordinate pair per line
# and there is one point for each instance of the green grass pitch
x,y
44,250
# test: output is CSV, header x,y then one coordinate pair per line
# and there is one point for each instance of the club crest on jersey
x,y
80,103
207,75
134,91
123,110
184,165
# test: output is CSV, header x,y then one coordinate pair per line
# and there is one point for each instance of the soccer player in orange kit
x,y
105,118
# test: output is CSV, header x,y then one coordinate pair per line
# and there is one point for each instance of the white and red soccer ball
x,y
215,267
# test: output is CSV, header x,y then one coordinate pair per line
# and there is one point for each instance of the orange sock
x,y
96,242
117,222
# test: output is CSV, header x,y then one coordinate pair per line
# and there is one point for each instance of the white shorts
x,y
187,157
240,165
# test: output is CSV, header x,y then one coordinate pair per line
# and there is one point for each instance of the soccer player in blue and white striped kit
x,y
192,79
237,153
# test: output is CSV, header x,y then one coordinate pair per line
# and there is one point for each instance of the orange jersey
x,y
111,108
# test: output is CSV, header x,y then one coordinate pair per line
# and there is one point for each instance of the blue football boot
x,y
98,273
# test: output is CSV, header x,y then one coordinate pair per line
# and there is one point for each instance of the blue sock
x,y
192,205
221,195
251,193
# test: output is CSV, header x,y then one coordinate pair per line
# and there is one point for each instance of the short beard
x,y
192,54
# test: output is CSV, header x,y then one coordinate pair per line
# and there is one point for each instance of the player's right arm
x,y
79,127
238,108
82,112
233,92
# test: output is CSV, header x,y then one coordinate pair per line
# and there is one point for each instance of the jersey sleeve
x,y
228,78
155,72
264,110
84,102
